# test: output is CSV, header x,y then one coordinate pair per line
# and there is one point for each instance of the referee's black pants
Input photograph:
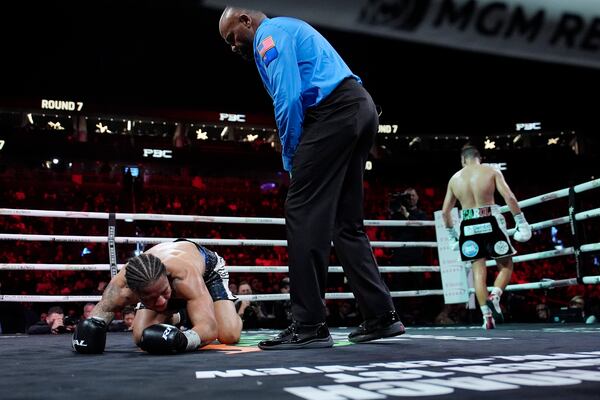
x,y
325,203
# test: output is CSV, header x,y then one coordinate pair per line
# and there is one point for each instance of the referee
x,y
327,123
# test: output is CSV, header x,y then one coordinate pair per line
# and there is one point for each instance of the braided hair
x,y
142,270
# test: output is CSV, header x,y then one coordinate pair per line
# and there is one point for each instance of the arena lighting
x,y
201,135
224,131
102,128
30,118
489,144
267,186
133,170
55,161
414,141
552,141
251,138
129,126
517,138
56,126
558,244
2,144
368,166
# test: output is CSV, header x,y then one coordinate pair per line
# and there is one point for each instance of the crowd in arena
x,y
246,197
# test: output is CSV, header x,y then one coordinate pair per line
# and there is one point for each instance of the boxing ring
x,y
514,360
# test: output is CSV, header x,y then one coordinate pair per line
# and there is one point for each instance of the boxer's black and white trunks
x,y
483,234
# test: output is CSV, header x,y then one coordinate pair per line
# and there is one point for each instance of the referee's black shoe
x,y
386,325
299,336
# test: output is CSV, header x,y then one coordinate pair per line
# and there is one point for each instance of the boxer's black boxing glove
x,y
90,336
167,339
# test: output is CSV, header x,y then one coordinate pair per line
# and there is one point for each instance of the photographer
x,y
251,313
403,206
54,323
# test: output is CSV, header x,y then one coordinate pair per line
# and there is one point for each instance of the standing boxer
x,y
483,229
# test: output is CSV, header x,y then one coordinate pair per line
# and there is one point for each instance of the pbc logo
x,y
501,166
232,117
158,153
404,15
529,126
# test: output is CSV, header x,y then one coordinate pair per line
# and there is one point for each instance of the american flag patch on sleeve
x,y
267,50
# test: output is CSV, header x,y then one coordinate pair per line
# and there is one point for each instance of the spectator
x,y
87,310
344,315
53,323
577,304
251,313
126,324
542,313
404,206
282,310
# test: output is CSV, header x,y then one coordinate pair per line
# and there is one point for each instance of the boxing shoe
x,y
493,302
386,325
488,322
299,336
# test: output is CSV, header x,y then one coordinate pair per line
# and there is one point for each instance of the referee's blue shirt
x,y
299,68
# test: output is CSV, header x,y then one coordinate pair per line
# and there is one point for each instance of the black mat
x,y
514,361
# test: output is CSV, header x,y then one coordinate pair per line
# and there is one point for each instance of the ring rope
x,y
187,218
272,221
586,248
548,284
234,269
249,297
261,242
545,284
209,242
581,216
555,195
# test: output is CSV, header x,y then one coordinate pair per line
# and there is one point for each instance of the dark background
x,y
168,54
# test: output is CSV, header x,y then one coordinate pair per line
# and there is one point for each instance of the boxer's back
x,y
474,186
179,255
